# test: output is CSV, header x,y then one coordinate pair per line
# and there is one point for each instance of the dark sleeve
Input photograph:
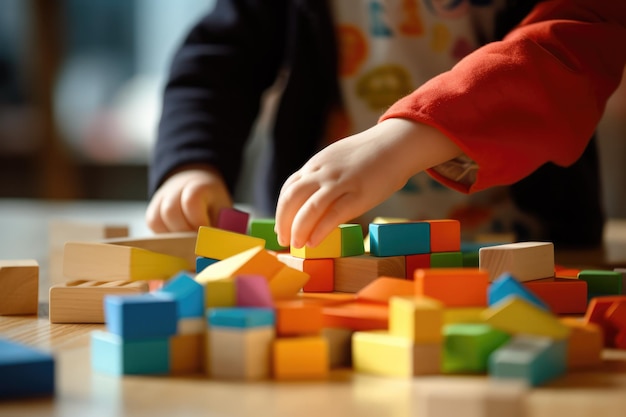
x,y
214,87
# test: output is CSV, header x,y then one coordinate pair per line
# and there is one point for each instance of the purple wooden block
x,y
253,291
233,220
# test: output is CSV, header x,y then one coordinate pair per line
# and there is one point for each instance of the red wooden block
x,y
415,262
563,296
616,315
596,313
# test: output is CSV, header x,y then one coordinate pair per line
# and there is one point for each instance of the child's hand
x,y
190,198
353,175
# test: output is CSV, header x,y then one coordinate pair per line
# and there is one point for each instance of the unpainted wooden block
x,y
186,353
352,273
524,260
19,286
238,353
81,301
339,347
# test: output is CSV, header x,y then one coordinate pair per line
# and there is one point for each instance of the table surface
x,y
81,392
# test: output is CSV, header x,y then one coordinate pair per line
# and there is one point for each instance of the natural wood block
x,y
321,272
81,301
186,353
356,316
234,220
563,296
221,244
287,283
445,235
352,273
107,262
419,320
584,344
255,260
454,287
398,239
19,286
339,346
524,260
300,358
380,353
298,318
383,288
241,354
330,247
427,358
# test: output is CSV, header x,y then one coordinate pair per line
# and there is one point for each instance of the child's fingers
x,y
291,199
340,211
153,216
172,214
195,206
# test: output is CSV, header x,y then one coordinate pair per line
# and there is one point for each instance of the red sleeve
x,y
534,97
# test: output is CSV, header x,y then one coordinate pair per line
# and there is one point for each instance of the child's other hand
x,y
353,175
189,198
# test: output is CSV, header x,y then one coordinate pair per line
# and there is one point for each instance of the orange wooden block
x,y
298,318
383,288
566,273
356,316
454,287
584,344
321,272
445,235
300,358
327,298
596,313
563,296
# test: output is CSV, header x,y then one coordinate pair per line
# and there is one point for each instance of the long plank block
x,y
524,260
221,244
180,244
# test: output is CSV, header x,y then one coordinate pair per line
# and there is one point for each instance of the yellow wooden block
x,y
220,244
463,315
300,358
107,262
329,248
380,353
515,315
255,260
186,353
287,283
243,354
418,319
220,293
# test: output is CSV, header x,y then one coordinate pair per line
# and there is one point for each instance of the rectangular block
x,y
524,260
242,354
419,320
298,358
446,260
600,282
19,286
562,295
445,235
380,353
110,354
25,371
145,316
321,272
454,287
186,353
234,220
329,248
178,244
584,344
221,244
264,229
356,316
239,317
351,240
298,318
355,272
396,239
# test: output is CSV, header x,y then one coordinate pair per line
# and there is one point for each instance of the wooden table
x,y
81,392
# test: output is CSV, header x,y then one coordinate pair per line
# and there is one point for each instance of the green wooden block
x,y
264,228
351,240
601,282
446,260
471,260
467,347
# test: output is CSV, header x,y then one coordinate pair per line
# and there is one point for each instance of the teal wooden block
x,y
534,360
600,282
467,347
506,285
398,239
202,262
351,240
110,354
240,317
446,260
188,294
25,371
264,229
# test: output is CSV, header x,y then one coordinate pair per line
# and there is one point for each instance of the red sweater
x,y
534,97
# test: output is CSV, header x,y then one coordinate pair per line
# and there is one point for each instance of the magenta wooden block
x,y
253,291
233,220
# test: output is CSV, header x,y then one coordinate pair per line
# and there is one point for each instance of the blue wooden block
x,y
397,239
240,317
110,354
506,285
145,316
25,371
188,294
533,359
202,262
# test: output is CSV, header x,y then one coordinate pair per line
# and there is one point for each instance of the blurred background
x,y
80,86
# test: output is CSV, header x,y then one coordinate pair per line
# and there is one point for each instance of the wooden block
x,y
186,353
623,272
566,273
107,262
82,301
414,262
241,354
264,229
383,288
297,358
562,295
188,294
114,355
19,286
584,344
445,235
61,231
380,353
355,272
257,261
339,347
397,239
321,272
141,316
381,220
241,317
287,283
524,260
446,260
178,244
234,220
517,316
25,371
356,316
327,299
419,320
427,358
220,293
596,313
221,244
330,247
298,318
616,314
467,347
202,262
463,315
191,325
534,360
454,287
351,240
506,285
601,282
253,291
